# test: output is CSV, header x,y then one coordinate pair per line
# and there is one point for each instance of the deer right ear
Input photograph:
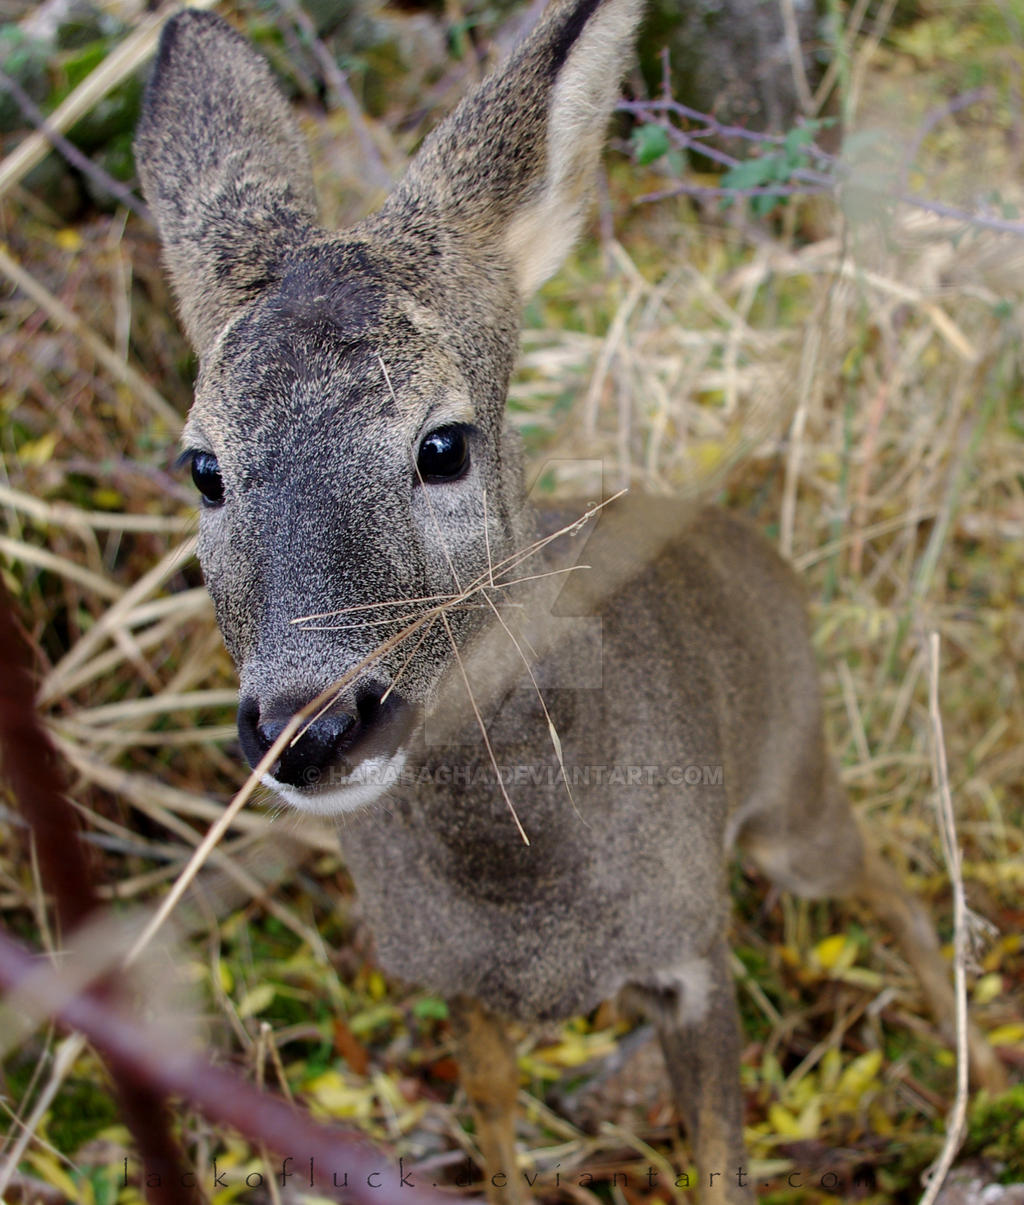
x,y
225,169
512,170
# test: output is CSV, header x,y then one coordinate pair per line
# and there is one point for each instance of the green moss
x,y
81,1110
996,1131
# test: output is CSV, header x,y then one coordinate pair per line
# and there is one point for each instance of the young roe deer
x,y
364,522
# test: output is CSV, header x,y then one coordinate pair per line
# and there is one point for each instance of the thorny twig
x,y
826,174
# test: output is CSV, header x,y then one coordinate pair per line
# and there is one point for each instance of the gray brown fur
x,y
324,359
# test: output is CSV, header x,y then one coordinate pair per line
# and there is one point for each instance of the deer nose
x,y
320,742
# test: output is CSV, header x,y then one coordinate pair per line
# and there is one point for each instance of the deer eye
x,y
207,478
443,454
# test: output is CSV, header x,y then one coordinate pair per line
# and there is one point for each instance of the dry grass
x,y
854,381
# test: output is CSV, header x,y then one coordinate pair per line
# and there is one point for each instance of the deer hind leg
x,y
880,889
489,1076
825,852
694,1013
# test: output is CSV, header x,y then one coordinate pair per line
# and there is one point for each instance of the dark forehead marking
x,y
330,289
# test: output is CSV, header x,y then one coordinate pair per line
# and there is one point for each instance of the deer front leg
x,y
489,1075
698,1027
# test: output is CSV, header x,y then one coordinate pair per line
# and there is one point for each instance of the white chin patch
x,y
338,792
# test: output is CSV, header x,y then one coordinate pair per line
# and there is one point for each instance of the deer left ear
x,y
225,169
512,169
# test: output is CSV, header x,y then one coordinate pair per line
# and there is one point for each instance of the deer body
x,y
365,523
624,883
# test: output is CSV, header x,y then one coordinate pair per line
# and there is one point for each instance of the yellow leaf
x,y
708,455
51,1172
870,981
829,465
860,1075
1008,1035
809,1121
118,1134
831,1068
107,499
804,1126
334,1096
376,986
829,952
799,1095
988,988
881,1122
1010,944
783,1122
227,980
38,451
69,239
229,1194
257,1000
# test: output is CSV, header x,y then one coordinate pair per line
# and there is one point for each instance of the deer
x,y
377,569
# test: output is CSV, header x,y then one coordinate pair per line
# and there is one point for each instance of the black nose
x,y
321,743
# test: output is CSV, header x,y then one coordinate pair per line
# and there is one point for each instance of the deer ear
x,y
224,168
513,168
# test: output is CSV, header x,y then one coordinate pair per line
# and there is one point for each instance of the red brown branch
x,y
32,767
346,1166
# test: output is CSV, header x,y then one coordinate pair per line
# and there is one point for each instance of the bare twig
x,y
957,1123
337,84
691,130
103,180
117,66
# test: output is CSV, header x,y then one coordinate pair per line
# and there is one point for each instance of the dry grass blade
x,y
155,705
145,792
62,514
66,1057
483,731
62,317
392,602
556,743
42,558
105,628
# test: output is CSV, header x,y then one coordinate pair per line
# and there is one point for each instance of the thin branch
x,y
71,153
115,68
956,1125
337,84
